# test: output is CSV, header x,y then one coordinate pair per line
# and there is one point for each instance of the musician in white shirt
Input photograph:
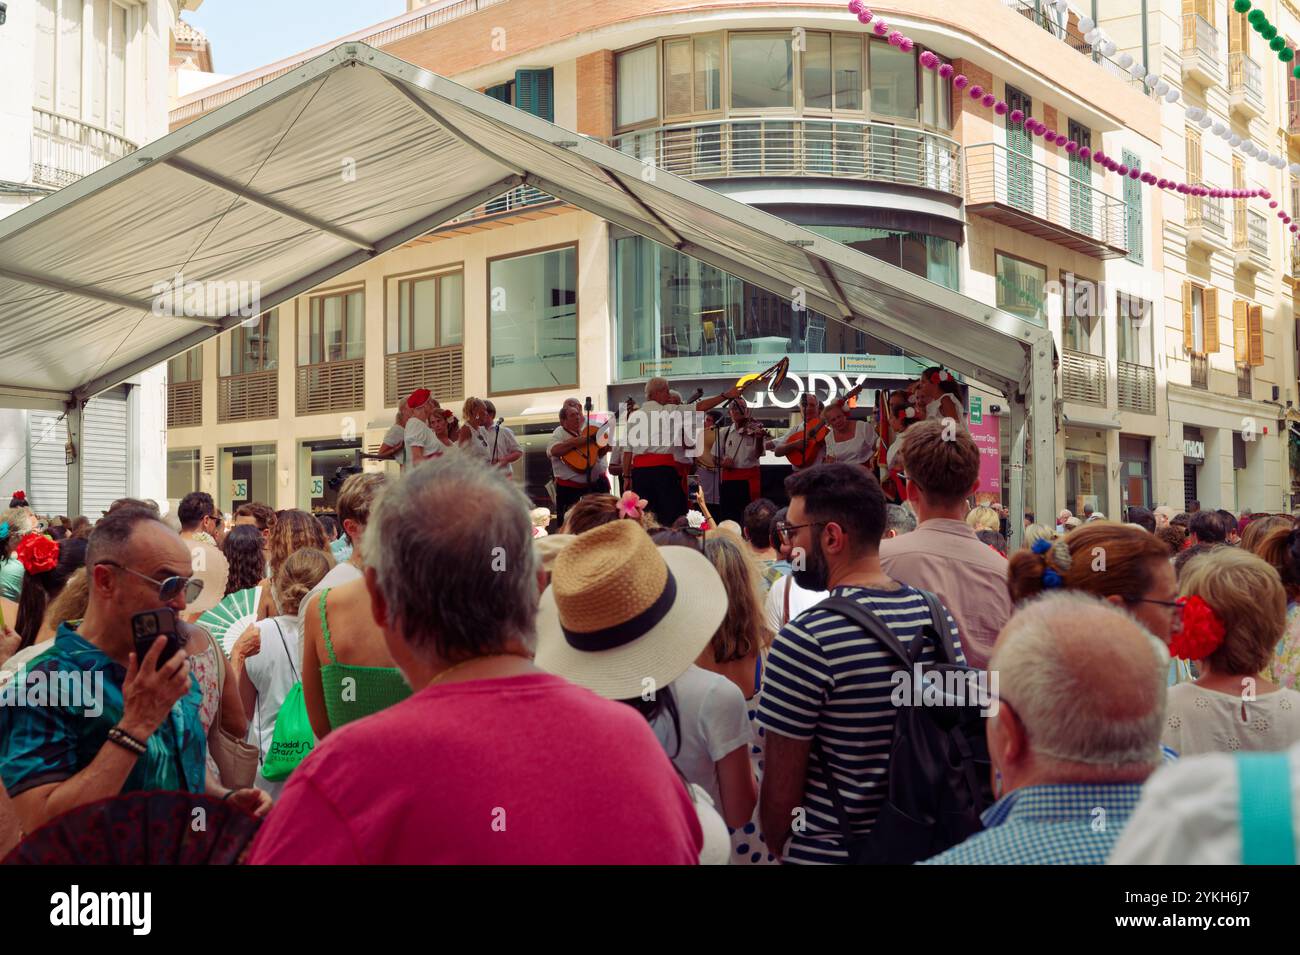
x,y
654,432
848,441
740,447
572,484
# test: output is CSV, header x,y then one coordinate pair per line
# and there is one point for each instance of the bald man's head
x,y
1087,683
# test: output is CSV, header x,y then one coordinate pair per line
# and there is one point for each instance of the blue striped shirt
x,y
827,679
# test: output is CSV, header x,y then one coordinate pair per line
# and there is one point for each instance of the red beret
x,y
418,397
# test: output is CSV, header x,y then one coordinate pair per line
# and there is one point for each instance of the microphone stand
x,y
496,440
587,427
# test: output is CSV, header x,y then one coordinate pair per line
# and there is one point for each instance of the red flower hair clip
x,y
1201,632
37,553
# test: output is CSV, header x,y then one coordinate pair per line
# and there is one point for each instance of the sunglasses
x,y
787,531
169,588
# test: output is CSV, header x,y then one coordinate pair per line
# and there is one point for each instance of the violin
x,y
812,438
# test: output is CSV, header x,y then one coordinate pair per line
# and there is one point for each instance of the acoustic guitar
x,y
588,455
812,437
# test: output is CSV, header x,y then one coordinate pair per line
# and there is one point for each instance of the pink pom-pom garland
x,y
930,61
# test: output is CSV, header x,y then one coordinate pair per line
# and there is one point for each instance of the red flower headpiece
x,y
1201,632
37,553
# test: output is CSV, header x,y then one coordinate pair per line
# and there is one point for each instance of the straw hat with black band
x,y
622,615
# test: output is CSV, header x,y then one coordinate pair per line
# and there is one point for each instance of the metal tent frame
x,y
252,192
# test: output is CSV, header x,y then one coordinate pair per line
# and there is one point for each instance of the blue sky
x,y
246,34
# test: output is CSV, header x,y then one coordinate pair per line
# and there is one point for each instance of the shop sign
x,y
1194,450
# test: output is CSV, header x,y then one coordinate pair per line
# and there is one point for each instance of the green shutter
x,y
1133,209
535,92
501,92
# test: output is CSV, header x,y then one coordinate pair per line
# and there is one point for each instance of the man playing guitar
x,y
571,483
810,406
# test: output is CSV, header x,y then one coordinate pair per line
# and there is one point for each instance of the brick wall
x,y
596,94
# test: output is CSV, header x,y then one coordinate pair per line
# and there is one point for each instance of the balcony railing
x,y
1293,119
248,397
1245,384
332,386
1245,84
1250,238
1069,33
1205,221
1010,187
441,370
1137,387
840,149
1200,372
520,197
64,150
184,404
1083,377
1201,49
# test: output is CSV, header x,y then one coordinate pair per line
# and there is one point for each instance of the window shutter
x,y
1255,345
534,93
1239,319
1210,306
1292,87
501,92
1133,209
1189,334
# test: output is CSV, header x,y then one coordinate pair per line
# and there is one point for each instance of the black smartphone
x,y
692,487
148,625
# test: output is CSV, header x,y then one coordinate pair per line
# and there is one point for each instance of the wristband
x,y
125,740
229,793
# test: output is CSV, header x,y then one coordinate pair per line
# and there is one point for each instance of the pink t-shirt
x,y
528,770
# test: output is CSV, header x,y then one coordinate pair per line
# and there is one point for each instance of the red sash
x,y
654,461
752,475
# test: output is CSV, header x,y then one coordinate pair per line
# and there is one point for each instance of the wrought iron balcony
x,y
1250,239
1205,222
1137,387
64,149
790,146
516,200
1068,32
1201,50
1011,188
1083,377
1245,85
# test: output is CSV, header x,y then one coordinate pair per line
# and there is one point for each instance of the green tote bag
x,y
293,737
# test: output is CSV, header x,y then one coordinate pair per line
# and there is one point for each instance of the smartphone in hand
x,y
148,625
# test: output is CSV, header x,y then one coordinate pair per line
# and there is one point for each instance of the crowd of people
x,y
433,677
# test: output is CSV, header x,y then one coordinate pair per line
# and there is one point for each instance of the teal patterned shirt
x,y
55,717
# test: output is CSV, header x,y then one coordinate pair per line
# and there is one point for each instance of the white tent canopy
x,y
255,193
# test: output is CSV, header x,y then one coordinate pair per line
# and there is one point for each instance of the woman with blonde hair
x,y
1038,532
983,518
1233,612
265,659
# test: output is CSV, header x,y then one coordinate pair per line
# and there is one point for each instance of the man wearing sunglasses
x,y
139,727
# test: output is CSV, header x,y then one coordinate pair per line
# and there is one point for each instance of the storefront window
x,y
1135,456
678,316
182,473
762,71
929,256
533,322
1085,471
323,466
893,81
247,474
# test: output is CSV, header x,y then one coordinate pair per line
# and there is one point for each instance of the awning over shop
x,y
356,153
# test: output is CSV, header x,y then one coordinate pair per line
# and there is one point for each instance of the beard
x,y
815,575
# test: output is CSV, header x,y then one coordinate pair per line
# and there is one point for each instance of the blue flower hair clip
x,y
4,530
1041,546
1051,579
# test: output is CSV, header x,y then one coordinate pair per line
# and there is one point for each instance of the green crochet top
x,y
352,692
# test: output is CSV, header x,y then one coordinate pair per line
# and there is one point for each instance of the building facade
x,y
799,110
86,83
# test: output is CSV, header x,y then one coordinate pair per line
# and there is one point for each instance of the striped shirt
x,y
827,679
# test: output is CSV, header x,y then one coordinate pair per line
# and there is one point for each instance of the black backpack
x,y
939,767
